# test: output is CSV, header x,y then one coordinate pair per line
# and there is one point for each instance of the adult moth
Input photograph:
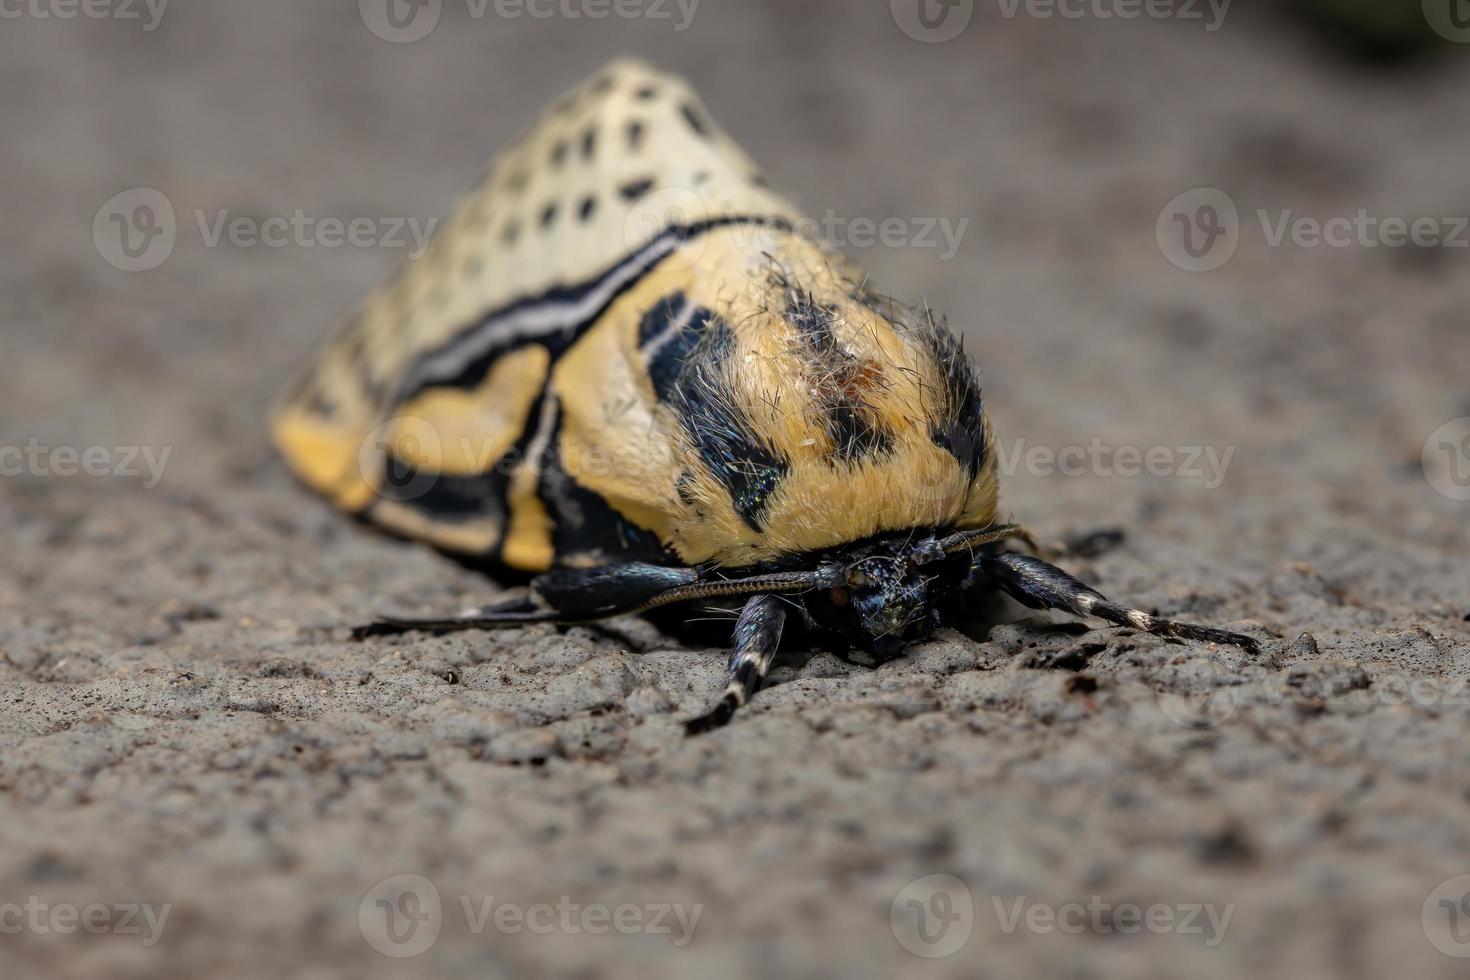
x,y
620,367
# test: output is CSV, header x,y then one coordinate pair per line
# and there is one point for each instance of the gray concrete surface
x,y
184,726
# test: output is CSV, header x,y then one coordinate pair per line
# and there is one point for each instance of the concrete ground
x,y
200,775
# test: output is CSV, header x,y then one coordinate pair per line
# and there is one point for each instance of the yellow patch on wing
x,y
463,432
324,456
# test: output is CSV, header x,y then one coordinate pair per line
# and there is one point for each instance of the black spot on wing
x,y
840,380
587,207
959,423
635,189
635,135
688,374
695,119
589,143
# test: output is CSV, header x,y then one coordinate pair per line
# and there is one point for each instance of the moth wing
x,y
604,172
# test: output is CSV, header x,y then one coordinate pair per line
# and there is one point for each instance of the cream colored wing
x,y
605,184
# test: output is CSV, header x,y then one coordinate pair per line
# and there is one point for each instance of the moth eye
x,y
925,553
839,596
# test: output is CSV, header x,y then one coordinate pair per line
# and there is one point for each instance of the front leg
x,y
584,595
1039,585
757,634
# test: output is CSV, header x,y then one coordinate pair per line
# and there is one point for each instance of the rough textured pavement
x,y
185,726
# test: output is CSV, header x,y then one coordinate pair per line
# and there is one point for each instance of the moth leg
x,y
757,634
521,609
584,595
1039,585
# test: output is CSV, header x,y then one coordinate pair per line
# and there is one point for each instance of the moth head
x,y
881,597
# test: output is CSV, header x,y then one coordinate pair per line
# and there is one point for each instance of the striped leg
x,y
1034,583
757,634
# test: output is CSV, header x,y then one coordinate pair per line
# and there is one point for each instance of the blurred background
x,y
1228,237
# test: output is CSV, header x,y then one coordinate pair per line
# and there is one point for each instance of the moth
x,y
620,367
